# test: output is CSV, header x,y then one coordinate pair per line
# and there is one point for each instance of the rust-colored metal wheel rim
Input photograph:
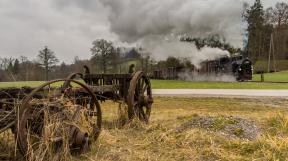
x,y
29,113
139,97
67,84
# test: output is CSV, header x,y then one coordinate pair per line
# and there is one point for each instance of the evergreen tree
x,y
255,21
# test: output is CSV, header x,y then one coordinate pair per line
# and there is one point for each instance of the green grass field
x,y
24,84
177,84
273,77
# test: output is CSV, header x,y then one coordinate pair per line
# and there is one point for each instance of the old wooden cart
x,y
134,89
70,115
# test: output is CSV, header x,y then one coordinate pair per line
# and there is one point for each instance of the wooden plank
x,y
97,89
104,88
110,76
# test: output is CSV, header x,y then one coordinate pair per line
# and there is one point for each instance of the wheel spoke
x,y
148,109
139,87
142,83
143,114
144,89
136,109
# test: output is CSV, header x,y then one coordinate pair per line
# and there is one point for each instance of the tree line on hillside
x,y
105,58
45,67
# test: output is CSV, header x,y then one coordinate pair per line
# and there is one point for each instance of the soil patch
x,y
231,126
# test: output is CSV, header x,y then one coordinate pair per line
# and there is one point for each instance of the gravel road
x,y
220,92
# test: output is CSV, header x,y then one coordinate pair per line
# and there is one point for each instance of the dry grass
x,y
160,140
55,141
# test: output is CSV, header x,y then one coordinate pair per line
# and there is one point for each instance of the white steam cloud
x,y
194,76
165,48
134,20
156,25
150,22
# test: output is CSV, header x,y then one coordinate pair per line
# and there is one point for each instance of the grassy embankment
x,y
269,77
176,84
273,77
170,136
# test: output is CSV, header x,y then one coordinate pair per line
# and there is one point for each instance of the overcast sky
x,y
68,27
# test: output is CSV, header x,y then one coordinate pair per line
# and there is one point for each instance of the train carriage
x,y
237,66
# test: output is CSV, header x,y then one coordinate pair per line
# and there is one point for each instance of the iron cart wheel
x,y
50,119
139,97
73,76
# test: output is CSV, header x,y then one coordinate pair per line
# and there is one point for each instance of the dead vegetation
x,y
194,129
160,140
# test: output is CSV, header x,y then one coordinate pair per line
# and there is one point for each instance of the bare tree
x,y
7,65
278,15
102,50
6,62
47,60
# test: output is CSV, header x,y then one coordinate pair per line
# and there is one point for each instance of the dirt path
x,y
220,92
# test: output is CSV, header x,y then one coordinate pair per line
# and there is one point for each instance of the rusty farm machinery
x,y
67,112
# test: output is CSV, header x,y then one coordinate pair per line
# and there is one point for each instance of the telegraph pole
x,y
271,51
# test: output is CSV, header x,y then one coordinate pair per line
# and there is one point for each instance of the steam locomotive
x,y
238,66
